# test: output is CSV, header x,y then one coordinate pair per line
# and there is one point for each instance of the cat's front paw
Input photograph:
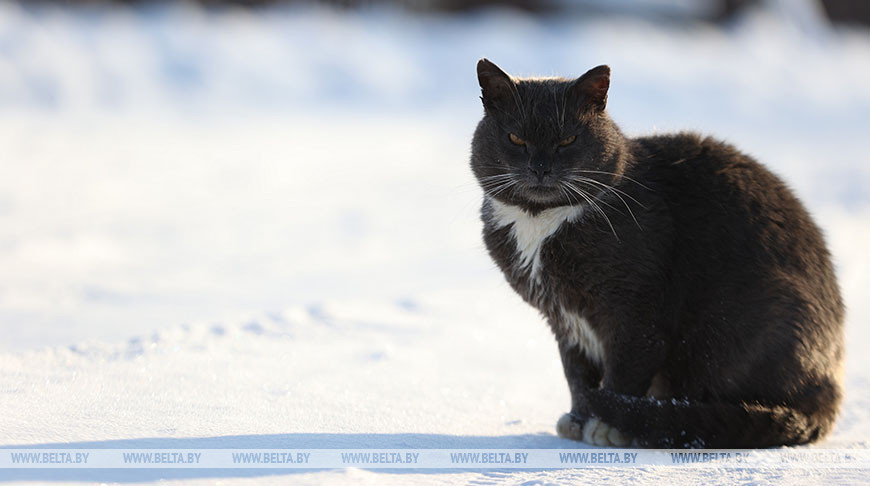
x,y
591,431
570,427
599,433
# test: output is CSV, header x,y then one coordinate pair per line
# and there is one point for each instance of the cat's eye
x,y
516,140
567,141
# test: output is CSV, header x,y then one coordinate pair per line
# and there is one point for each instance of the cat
x,y
691,295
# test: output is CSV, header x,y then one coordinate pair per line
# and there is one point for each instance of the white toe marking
x,y
566,427
617,438
589,430
598,433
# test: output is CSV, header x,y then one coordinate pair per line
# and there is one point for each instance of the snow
x,y
231,228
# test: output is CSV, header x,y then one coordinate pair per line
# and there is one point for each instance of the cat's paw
x,y
591,431
599,433
569,427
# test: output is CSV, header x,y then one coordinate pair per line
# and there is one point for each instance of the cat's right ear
x,y
495,85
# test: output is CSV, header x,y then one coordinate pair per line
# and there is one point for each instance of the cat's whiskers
x,y
615,192
611,187
589,200
496,183
570,194
567,195
492,191
597,198
622,176
497,189
476,183
596,207
510,185
495,177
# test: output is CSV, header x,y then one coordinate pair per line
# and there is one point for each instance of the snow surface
x,y
232,229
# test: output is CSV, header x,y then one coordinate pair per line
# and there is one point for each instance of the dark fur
x,y
722,292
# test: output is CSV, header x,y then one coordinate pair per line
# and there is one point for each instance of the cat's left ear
x,y
591,88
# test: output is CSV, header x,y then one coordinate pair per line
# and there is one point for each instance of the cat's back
x,y
706,180
737,225
688,165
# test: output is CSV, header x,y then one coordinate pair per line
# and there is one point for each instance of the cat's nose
x,y
540,171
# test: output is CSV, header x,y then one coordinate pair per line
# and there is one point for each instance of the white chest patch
x,y
529,232
580,333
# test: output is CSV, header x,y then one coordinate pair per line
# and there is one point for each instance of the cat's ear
x,y
591,88
495,85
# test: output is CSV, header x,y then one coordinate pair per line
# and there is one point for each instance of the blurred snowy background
x,y
174,174
165,164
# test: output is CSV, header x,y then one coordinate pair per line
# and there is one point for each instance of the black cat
x,y
692,296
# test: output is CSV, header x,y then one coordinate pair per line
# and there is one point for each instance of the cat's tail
x,y
672,423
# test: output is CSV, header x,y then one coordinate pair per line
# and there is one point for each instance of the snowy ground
x,y
235,230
